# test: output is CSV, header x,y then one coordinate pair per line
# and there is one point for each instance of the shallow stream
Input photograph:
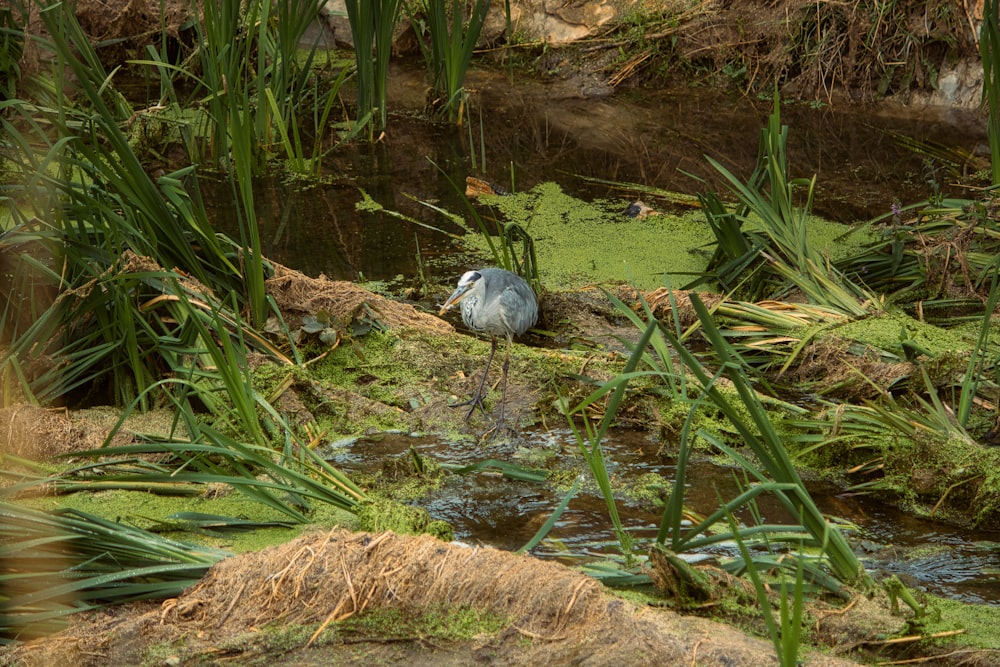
x,y
488,508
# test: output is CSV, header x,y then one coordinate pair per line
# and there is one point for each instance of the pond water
x,y
487,508
530,132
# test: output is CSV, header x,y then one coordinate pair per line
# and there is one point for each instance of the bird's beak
x,y
455,297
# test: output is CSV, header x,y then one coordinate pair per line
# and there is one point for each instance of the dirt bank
x,y
548,614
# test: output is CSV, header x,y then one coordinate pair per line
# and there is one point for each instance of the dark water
x,y
532,132
486,508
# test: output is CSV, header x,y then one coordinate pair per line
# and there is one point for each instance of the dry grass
x,y
557,615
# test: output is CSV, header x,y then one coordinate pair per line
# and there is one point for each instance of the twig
x,y
909,639
329,619
936,658
350,584
232,603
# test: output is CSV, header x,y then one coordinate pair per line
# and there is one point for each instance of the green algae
x,y
945,478
579,243
372,362
977,622
433,625
441,622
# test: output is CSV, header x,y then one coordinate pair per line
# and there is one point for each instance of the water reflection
x,y
490,509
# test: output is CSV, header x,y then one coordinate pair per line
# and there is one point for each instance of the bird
x,y
495,302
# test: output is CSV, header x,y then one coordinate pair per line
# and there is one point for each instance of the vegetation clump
x,y
378,514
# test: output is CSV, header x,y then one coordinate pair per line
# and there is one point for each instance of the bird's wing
x,y
519,308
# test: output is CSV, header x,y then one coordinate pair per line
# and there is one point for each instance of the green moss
x,y
261,646
979,622
373,365
439,622
891,330
957,479
380,514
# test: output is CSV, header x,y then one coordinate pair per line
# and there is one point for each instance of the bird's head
x,y
466,284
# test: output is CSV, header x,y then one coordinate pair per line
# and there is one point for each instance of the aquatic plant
x,y
786,631
770,465
92,234
372,24
781,251
453,39
11,48
591,438
251,82
79,201
64,562
989,49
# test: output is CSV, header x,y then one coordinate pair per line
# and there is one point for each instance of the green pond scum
x,y
579,243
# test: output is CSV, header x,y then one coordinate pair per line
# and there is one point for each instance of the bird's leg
x,y
477,399
503,387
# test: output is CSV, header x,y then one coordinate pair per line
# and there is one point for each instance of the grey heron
x,y
498,303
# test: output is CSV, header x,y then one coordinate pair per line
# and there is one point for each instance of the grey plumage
x,y
498,303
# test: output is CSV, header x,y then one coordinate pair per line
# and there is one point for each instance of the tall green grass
x,y
64,562
770,464
452,40
121,291
86,211
780,256
256,92
765,459
989,49
372,25
249,78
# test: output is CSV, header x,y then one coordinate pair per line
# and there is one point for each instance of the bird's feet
x,y
473,403
499,431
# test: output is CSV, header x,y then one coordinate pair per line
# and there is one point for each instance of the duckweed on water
x,y
579,243
979,622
